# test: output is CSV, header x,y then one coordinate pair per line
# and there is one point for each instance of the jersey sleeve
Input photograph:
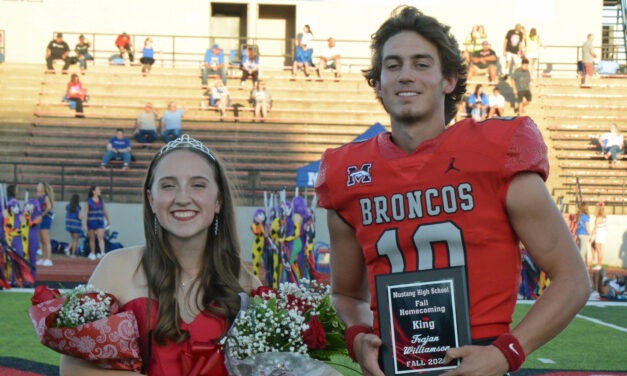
x,y
323,194
526,151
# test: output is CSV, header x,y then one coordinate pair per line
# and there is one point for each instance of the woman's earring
x,y
155,222
215,226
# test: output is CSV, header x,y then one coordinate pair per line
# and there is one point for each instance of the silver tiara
x,y
186,142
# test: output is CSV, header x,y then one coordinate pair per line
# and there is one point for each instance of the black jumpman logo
x,y
451,167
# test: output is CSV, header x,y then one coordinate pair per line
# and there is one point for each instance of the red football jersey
x,y
442,205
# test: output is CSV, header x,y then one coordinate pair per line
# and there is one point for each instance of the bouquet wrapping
x,y
66,324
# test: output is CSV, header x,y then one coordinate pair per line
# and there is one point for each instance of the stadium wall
x,y
30,24
127,220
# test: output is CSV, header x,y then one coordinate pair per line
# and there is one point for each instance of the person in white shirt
x,y
613,145
496,103
330,59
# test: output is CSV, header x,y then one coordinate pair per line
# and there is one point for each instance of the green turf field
x,y
584,345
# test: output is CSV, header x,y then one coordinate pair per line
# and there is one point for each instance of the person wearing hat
x,y
513,48
213,64
57,49
483,60
146,125
123,43
82,52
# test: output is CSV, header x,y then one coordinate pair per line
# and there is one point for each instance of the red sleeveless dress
x,y
174,359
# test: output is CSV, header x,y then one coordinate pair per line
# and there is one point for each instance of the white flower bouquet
x,y
289,331
85,323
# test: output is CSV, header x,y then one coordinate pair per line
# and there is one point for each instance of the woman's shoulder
x,y
247,280
120,273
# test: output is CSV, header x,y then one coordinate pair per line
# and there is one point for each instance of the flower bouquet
x,y
289,331
85,323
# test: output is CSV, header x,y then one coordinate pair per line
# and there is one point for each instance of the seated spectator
x,y
171,122
76,93
118,147
82,52
118,59
148,54
483,60
613,145
250,66
330,59
123,44
521,85
57,50
474,41
146,125
262,99
219,97
477,112
496,101
604,287
214,64
302,60
477,96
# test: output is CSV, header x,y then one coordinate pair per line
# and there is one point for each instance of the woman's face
x,y
184,195
40,190
97,192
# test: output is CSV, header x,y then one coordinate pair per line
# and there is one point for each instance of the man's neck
x,y
408,136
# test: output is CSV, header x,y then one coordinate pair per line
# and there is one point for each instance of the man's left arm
x,y
540,226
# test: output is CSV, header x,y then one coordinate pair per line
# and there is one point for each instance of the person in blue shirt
x,y
302,59
477,97
583,232
171,122
250,66
214,64
148,56
119,147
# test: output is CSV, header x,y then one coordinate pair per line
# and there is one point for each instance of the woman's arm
x,y
85,218
104,211
48,206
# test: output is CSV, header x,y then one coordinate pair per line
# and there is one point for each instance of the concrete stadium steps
x,y
619,112
585,98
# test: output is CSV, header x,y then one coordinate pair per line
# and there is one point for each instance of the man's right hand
x,y
366,348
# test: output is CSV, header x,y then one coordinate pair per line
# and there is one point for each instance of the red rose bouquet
x,y
286,329
85,323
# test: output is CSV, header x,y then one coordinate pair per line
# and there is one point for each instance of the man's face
x,y
119,135
59,39
524,66
172,107
485,46
148,108
331,43
411,85
215,51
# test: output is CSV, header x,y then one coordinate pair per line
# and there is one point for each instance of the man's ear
x,y
377,89
449,84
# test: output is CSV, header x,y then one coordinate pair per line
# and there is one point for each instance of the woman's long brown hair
x,y
218,278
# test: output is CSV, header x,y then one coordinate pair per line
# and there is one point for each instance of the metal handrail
x,y
189,50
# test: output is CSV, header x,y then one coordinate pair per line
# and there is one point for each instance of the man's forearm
x,y
352,311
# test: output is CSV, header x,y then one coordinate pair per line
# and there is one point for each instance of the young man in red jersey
x,y
426,197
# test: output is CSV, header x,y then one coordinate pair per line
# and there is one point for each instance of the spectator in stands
x,y
474,41
73,222
94,221
496,102
521,84
583,231
250,66
82,52
57,50
148,56
76,93
219,97
483,60
123,44
302,60
613,145
45,194
307,36
330,59
118,147
171,122
532,50
262,100
513,47
146,125
587,58
598,233
214,64
478,97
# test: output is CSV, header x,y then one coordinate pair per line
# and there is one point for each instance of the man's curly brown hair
x,y
407,18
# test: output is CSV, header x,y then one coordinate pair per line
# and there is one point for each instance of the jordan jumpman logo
x,y
451,166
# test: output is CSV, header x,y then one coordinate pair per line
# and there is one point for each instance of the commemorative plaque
x,y
421,315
